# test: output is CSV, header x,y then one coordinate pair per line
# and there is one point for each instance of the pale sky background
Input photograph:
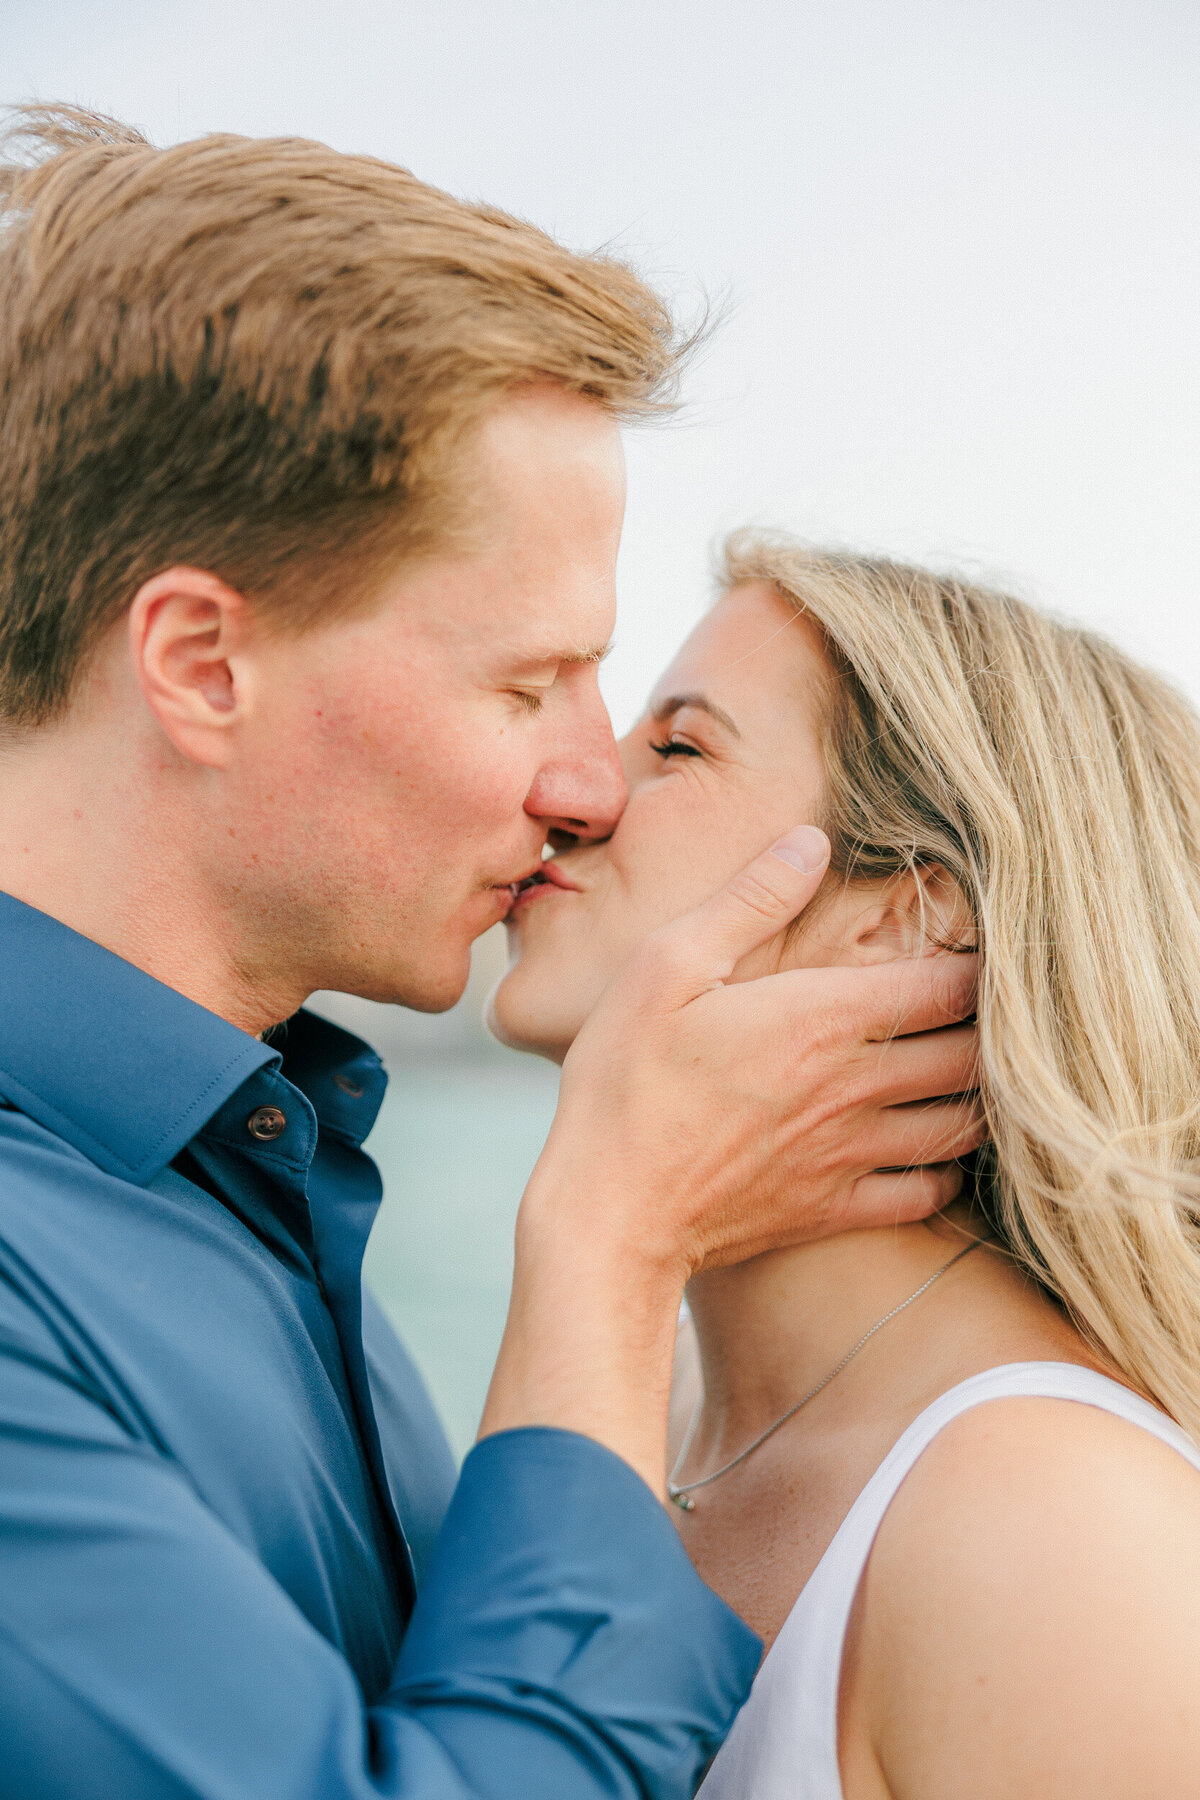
x,y
961,242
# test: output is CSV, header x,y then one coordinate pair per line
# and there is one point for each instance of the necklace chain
x,y
681,1492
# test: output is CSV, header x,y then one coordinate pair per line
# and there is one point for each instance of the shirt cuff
x,y
558,1585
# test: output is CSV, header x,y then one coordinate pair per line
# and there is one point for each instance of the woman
x,y
945,1469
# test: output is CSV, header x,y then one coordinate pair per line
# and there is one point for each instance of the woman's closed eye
x,y
675,747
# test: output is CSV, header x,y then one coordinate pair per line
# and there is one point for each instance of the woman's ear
x,y
913,914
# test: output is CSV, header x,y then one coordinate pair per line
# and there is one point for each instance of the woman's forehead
x,y
752,650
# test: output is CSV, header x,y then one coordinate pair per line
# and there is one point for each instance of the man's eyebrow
x,y
585,653
592,653
666,709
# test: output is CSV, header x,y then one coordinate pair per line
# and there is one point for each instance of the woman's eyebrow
x,y
667,709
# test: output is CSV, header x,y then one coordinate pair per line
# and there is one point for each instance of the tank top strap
x,y
783,1745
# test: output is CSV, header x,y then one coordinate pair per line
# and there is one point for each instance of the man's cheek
x,y
491,792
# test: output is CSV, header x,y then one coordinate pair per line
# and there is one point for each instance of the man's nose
x,y
582,793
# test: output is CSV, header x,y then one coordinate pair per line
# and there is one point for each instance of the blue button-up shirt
x,y
221,1480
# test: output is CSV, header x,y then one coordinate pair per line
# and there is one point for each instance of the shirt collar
x,y
122,1067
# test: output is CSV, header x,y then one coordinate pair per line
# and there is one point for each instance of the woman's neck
x,y
769,1329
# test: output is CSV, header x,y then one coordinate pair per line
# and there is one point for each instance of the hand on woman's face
x,y
726,758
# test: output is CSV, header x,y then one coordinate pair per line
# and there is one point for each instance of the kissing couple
x,y
871,957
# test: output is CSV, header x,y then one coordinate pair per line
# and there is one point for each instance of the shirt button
x,y
266,1122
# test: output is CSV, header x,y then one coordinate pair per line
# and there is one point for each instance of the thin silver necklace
x,y
681,1491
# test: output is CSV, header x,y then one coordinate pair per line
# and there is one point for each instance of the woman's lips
x,y
544,880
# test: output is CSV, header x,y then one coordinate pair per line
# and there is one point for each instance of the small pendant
x,y
683,1501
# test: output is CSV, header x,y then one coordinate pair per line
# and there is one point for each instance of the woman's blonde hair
x,y
1059,784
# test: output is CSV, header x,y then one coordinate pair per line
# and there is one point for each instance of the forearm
x,y
590,1338
562,1643
562,1631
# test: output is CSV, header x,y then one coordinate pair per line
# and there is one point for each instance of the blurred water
x,y
455,1143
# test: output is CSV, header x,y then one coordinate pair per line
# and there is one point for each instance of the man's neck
x,y
98,829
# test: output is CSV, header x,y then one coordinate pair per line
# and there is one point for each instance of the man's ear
x,y
915,913
187,633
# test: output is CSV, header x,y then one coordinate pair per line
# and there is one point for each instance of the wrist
x,y
590,1337
621,1221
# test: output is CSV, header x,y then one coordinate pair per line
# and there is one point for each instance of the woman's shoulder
x,y
1033,1598
1064,1438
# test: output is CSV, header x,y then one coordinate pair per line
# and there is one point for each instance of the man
x,y
310,491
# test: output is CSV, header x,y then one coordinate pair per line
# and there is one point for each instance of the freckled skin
x,y
450,785
343,808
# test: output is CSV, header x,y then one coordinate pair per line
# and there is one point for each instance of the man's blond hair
x,y
259,357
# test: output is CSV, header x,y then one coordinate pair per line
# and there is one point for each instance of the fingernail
x,y
806,848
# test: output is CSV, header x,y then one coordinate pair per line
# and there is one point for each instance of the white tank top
x,y
783,1745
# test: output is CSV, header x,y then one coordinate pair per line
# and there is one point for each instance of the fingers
x,y
898,1197
904,1136
927,1066
758,903
916,994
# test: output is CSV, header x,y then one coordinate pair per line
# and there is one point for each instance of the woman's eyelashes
x,y
673,747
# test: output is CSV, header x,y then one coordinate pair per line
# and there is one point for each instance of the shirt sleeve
x,y
562,1645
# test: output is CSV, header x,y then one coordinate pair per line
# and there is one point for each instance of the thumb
x,y
759,902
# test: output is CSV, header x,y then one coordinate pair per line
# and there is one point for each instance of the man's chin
x,y
435,993
435,980
426,990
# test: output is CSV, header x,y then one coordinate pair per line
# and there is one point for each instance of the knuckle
x,y
663,957
955,989
949,1181
756,895
973,1136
